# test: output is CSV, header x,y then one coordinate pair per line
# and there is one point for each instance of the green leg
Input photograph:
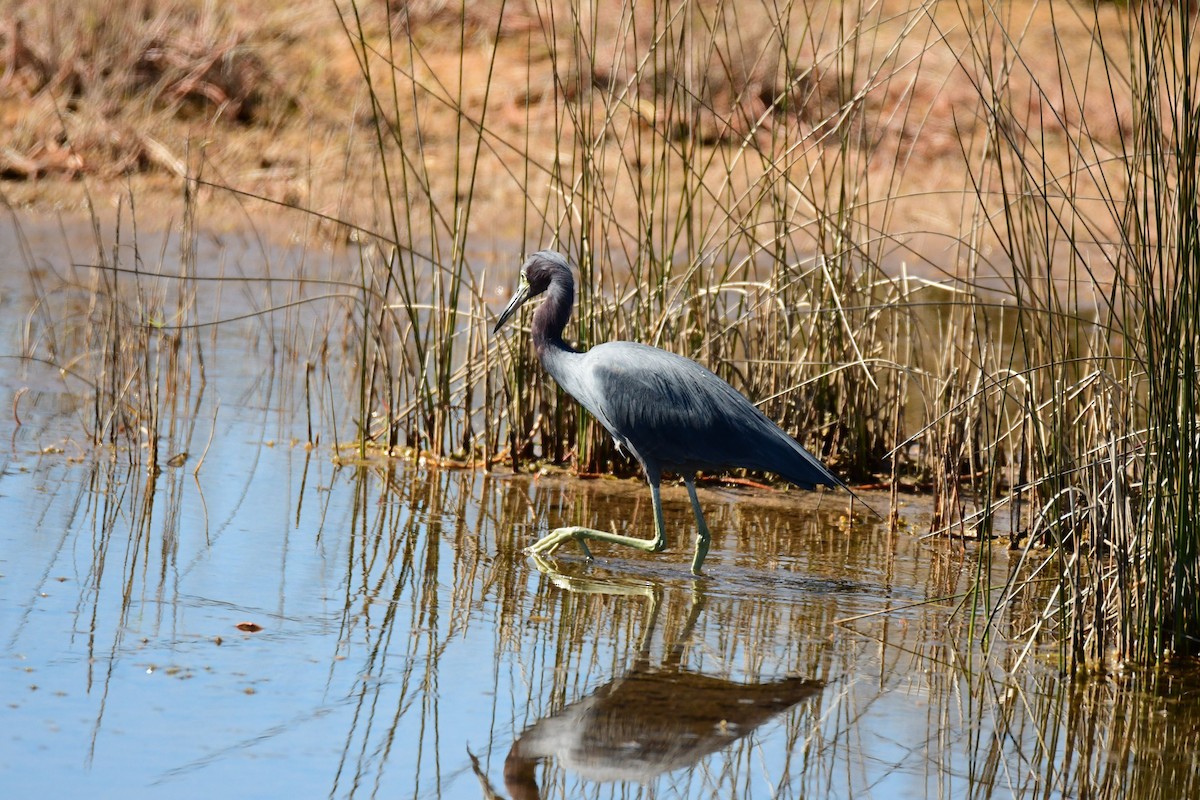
x,y
703,537
549,543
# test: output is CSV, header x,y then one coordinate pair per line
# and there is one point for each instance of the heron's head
x,y
538,271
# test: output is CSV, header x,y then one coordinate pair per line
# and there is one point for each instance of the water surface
x,y
258,621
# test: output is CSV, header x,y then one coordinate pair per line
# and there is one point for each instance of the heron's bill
x,y
518,298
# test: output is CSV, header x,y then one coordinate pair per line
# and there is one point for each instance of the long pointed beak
x,y
521,295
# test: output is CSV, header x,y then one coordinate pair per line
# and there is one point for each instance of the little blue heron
x,y
668,411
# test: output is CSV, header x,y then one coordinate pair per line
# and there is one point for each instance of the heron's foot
x,y
552,541
549,544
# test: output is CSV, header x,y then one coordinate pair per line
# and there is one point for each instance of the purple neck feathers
x,y
552,315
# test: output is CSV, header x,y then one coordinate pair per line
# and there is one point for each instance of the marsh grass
x,y
110,329
734,183
693,182
1093,405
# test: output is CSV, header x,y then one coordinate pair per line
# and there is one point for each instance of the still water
x,y
262,622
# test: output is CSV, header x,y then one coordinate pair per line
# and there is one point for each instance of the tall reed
x,y
1093,405
711,177
1160,257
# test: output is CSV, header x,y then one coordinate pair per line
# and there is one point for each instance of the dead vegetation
x,y
109,90
267,99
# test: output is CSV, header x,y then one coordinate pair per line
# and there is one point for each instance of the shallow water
x,y
395,640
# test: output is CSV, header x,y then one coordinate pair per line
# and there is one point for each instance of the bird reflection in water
x,y
651,720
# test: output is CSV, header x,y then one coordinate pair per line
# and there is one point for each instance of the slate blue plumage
x,y
669,412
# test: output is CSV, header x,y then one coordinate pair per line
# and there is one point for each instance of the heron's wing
x,y
672,412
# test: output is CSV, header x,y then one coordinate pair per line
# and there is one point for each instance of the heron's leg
x,y
703,537
549,543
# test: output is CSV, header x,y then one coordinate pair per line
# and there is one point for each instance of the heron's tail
x,y
809,473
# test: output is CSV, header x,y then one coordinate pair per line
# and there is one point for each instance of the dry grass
x,y
269,99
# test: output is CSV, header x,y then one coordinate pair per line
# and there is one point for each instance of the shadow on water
x,y
274,624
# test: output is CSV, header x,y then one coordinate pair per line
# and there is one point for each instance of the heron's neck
x,y
549,320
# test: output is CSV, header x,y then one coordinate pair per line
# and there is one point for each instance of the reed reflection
x,y
652,719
